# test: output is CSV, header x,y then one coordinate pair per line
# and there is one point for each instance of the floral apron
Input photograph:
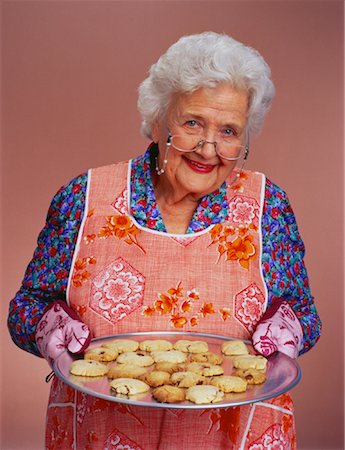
x,y
125,278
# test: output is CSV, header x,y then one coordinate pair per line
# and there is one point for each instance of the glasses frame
x,y
202,142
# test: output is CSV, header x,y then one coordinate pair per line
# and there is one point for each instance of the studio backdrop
x,y
70,75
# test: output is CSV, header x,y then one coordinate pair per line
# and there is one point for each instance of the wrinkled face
x,y
212,113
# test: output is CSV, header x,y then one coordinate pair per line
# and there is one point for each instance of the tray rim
x,y
115,399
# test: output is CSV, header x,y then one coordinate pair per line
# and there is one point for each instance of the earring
x,y
161,170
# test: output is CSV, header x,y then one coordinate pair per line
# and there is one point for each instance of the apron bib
x,y
125,278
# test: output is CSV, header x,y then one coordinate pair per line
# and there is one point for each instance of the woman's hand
x,y
279,330
61,328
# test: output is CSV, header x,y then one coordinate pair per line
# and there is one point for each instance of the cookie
x,y
172,356
155,345
250,362
122,345
170,367
101,354
204,394
205,369
156,378
252,376
88,368
137,358
188,346
169,394
186,379
128,386
209,357
229,383
126,371
79,380
234,347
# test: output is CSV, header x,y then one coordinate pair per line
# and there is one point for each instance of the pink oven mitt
x,y
279,330
61,328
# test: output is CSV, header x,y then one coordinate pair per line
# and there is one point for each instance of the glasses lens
x,y
230,151
185,143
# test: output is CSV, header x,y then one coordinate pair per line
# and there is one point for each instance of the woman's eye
x,y
192,123
228,132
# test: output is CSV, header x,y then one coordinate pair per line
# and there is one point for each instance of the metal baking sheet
x,y
283,373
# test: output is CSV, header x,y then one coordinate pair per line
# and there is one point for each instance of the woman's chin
x,y
200,190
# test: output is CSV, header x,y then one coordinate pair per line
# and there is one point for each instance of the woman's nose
x,y
207,149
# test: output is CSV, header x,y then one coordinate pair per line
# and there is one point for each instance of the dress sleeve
x,y
46,276
283,266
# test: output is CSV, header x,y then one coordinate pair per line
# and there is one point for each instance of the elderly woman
x,y
180,238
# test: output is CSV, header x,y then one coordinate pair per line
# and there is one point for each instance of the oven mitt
x,y
279,330
58,329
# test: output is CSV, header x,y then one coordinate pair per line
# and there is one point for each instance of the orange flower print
x,y
80,264
178,321
182,307
238,187
148,311
227,420
164,304
163,307
236,243
85,275
120,227
193,294
225,313
194,321
283,400
90,213
76,280
287,423
81,310
177,292
89,238
220,234
221,250
241,249
80,274
229,231
207,308
242,230
186,306
215,232
243,176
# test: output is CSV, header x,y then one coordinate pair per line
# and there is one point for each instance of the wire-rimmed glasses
x,y
225,149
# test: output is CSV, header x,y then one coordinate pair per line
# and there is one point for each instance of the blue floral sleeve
x,y
283,266
46,276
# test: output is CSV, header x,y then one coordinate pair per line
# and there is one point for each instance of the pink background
x,y
70,77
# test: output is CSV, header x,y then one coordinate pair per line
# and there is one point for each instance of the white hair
x,y
204,60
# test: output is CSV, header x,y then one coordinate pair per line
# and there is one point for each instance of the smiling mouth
x,y
199,167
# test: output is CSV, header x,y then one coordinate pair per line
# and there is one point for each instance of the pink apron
x,y
125,278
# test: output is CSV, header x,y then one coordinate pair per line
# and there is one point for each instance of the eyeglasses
x,y
226,150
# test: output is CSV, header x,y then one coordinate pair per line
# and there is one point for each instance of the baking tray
x,y
283,373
